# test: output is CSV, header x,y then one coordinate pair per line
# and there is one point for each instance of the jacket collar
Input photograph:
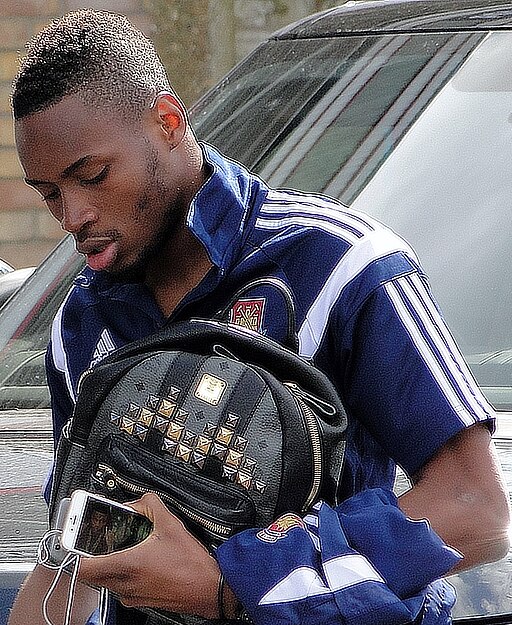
x,y
220,211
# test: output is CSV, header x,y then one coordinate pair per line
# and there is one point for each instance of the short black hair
x,y
97,54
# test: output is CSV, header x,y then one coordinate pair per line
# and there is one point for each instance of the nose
x,y
77,213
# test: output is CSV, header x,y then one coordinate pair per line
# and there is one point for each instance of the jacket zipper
x,y
304,399
82,378
110,479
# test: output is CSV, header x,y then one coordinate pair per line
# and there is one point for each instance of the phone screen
x,y
106,528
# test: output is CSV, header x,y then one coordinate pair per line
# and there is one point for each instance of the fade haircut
x,y
98,55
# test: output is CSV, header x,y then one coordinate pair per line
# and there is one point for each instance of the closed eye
x,y
50,197
96,179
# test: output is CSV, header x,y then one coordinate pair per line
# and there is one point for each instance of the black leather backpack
x,y
228,427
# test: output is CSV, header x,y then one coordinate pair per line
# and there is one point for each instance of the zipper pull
x,y
105,477
311,400
66,429
220,350
81,379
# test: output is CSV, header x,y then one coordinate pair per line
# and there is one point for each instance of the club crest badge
x,y
248,313
279,529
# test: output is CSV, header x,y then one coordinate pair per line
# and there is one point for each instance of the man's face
x,y
109,182
98,520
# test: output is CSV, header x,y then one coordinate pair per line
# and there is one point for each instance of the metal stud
x,y
153,402
229,473
233,458
210,429
115,418
160,423
239,443
249,465
224,435
133,411
259,486
244,479
174,431
127,425
218,450
174,393
188,438
183,452
140,431
181,415
197,459
232,420
146,417
169,445
166,408
203,443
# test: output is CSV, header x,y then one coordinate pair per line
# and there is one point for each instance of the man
x,y
96,535
171,229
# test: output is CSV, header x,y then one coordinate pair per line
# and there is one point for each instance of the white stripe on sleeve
x,y
58,353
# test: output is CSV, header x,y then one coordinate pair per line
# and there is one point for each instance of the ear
x,y
171,116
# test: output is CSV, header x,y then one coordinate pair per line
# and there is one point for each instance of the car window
x,y
452,201
25,323
407,129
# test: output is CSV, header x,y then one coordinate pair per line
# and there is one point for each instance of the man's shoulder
x,y
318,213
310,226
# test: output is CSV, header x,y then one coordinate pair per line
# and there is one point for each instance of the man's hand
x,y
170,570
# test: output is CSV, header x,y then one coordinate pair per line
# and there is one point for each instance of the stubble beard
x,y
154,189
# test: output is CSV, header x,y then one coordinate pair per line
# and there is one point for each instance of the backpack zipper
x,y
304,399
110,479
82,378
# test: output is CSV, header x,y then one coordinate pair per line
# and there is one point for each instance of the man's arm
x,y
462,494
28,607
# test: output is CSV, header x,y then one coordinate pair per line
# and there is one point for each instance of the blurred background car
x,y
11,281
401,109
5,267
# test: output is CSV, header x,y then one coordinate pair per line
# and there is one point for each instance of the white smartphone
x,y
95,525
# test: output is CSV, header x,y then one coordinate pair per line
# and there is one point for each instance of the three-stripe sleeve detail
x,y
434,342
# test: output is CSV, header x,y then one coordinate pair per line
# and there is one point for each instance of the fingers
x,y
151,505
170,569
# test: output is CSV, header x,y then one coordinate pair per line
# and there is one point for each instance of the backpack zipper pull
x,y
311,400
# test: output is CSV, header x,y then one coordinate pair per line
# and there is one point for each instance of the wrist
x,y
229,606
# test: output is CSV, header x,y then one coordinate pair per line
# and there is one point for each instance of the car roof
x,y
403,16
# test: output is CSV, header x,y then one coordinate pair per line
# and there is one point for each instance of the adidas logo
x,y
104,347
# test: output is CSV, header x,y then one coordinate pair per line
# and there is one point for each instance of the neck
x,y
180,267
182,261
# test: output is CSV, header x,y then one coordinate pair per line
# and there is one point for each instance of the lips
x,y
100,252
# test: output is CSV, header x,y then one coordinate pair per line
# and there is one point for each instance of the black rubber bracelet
x,y
220,598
